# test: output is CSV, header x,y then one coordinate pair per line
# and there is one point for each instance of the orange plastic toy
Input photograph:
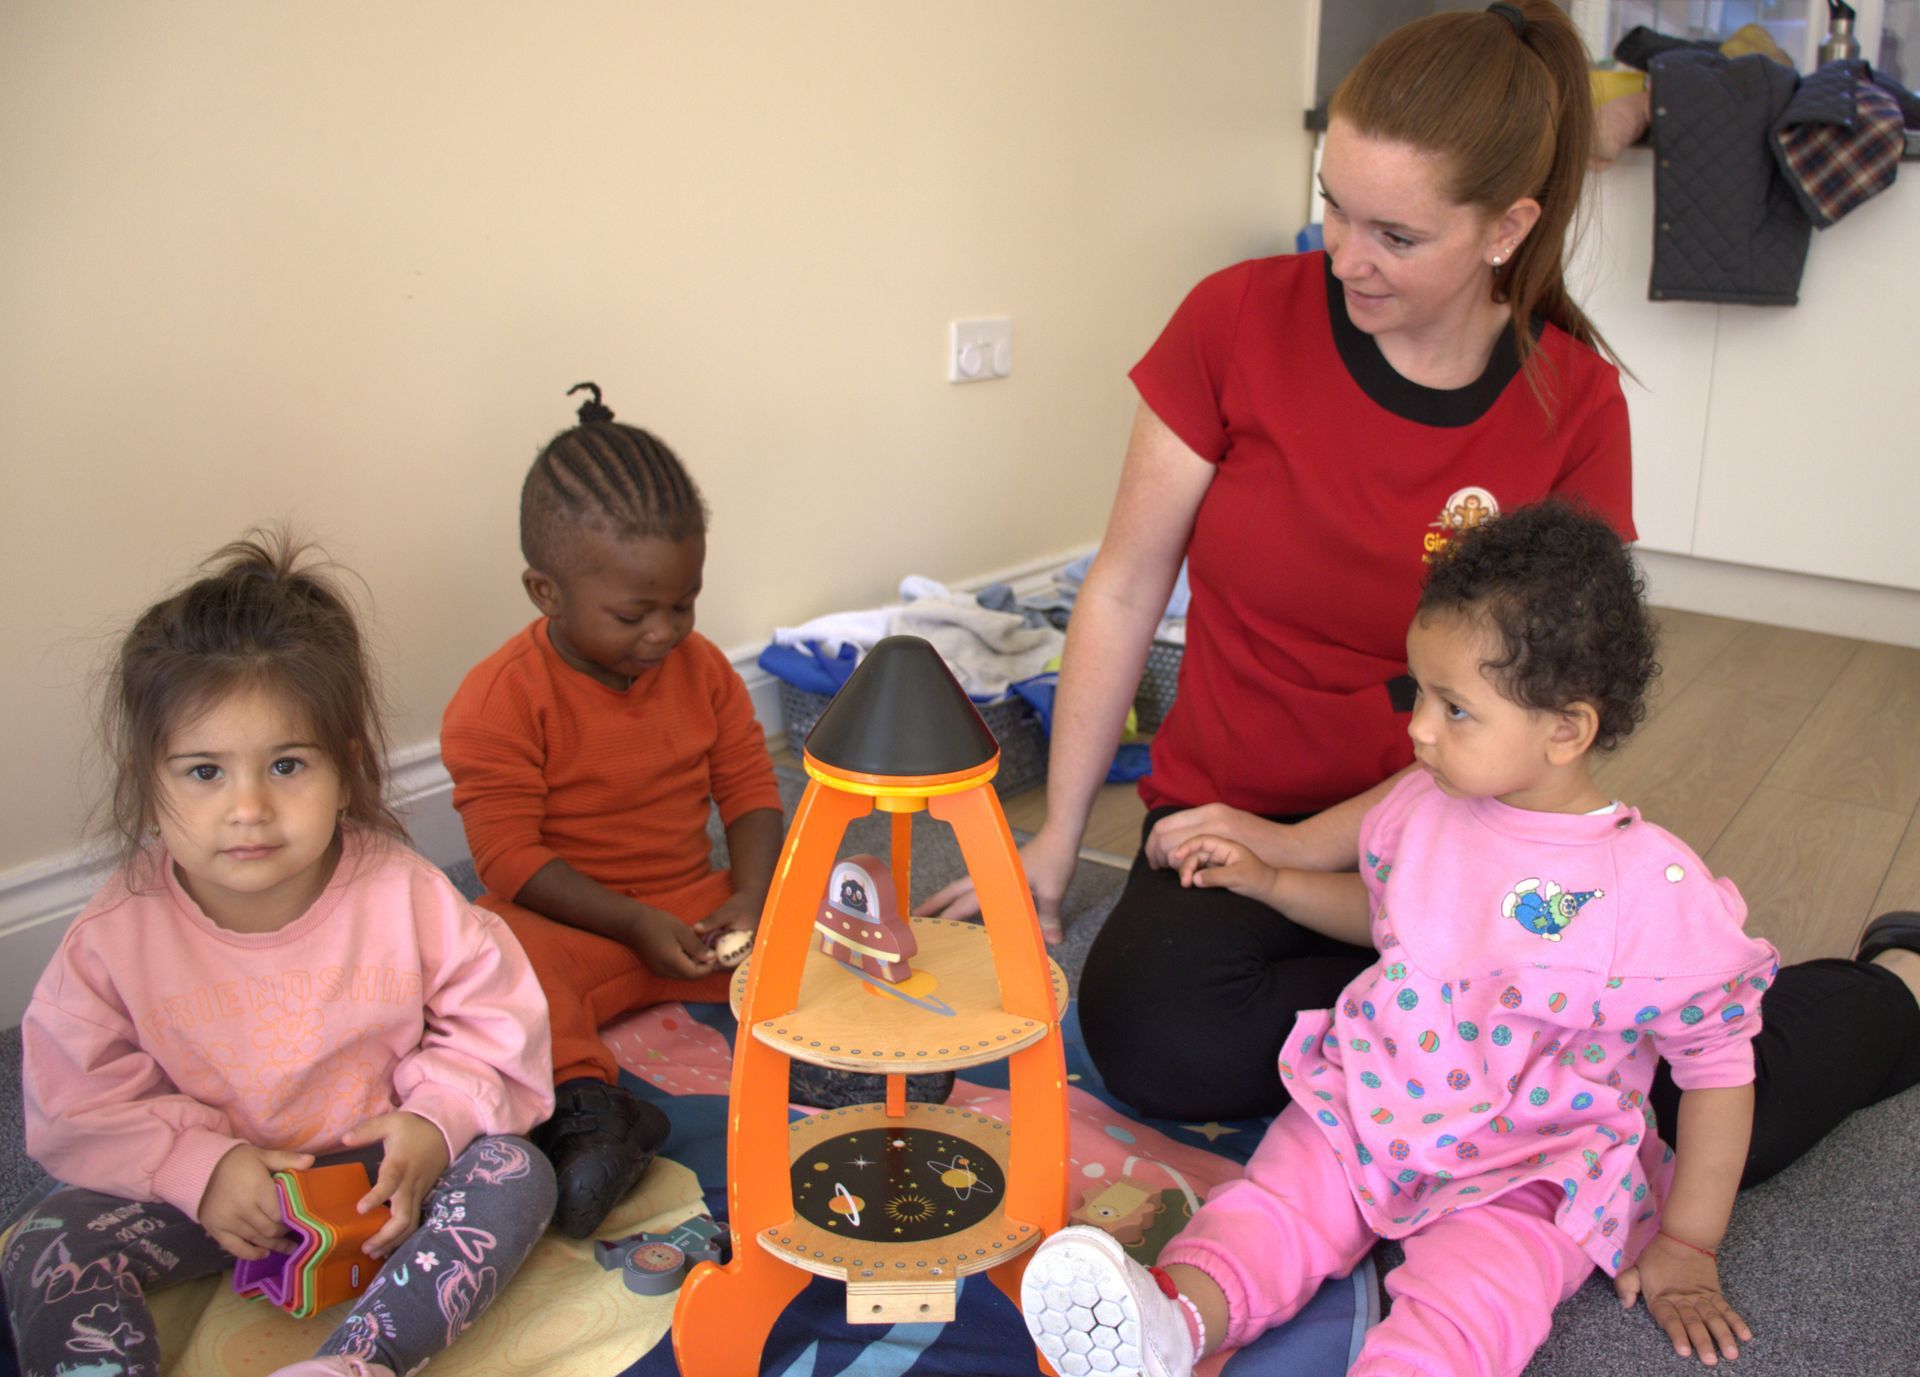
x,y
897,1200
326,1266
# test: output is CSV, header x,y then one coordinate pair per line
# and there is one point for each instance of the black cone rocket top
x,y
902,714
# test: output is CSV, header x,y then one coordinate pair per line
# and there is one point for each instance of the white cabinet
x,y
1668,346
1812,460
1782,437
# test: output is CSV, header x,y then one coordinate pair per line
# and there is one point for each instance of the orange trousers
x,y
590,980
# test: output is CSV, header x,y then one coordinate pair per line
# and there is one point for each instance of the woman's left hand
x,y
415,1155
1682,1290
1266,840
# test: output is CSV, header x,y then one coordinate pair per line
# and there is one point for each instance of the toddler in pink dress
x,y
1479,1093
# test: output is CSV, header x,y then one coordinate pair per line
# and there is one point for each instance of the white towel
x,y
862,629
986,650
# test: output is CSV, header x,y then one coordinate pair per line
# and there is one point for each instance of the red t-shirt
x,y
1335,478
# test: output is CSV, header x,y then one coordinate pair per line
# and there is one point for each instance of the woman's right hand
x,y
1049,861
1270,841
240,1207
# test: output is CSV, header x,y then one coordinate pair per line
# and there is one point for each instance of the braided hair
x,y
603,476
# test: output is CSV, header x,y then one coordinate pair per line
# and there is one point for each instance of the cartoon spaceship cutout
x,y
1545,909
860,923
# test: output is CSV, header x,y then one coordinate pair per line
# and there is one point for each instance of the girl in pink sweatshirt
x,y
270,979
1479,1093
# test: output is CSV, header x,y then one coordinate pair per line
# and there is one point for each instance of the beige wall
x,y
336,263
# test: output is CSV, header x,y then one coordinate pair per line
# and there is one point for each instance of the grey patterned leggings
x,y
79,1266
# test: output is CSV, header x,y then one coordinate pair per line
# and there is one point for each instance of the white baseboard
x,y
36,903
39,900
1807,602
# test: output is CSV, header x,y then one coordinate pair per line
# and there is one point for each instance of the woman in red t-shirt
x,y
1310,428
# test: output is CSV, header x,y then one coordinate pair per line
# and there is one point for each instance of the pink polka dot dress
x,y
1533,968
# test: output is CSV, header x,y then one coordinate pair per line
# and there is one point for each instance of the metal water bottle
x,y
1840,42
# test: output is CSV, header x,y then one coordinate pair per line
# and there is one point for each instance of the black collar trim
x,y
1451,407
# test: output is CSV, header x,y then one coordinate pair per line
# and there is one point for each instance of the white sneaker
x,y
1091,1308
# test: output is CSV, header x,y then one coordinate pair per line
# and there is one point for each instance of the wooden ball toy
x,y
730,948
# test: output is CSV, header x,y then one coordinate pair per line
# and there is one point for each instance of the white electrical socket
x,y
979,350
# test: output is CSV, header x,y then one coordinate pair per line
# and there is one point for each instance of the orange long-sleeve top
x,y
550,764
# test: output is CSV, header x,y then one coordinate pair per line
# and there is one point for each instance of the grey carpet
x,y
20,1175
1820,1260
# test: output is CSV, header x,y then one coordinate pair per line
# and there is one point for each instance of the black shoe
x,y
824,1087
1890,931
601,1140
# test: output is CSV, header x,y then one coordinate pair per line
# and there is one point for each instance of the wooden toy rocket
x,y
898,1200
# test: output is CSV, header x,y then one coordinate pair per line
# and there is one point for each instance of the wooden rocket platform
x,y
843,1020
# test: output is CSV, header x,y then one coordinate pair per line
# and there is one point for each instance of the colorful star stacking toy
x,y
326,1265
898,1200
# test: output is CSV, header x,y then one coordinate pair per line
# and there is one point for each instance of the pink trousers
x,y
1475,1295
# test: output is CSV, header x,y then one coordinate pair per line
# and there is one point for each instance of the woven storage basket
x,y
1015,725
1157,684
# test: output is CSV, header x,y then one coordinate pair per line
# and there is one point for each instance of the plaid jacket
x,y
1839,141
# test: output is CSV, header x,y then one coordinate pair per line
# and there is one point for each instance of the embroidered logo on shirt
x,y
1466,509
1544,908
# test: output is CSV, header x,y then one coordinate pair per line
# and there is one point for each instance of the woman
x,y
1310,427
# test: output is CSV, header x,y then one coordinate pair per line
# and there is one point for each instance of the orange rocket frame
x,y
725,1312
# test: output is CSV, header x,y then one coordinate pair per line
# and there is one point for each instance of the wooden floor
x,y
1789,760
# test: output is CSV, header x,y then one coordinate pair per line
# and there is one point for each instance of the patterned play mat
x,y
564,1316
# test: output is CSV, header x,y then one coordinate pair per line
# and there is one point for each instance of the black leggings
x,y
1188,993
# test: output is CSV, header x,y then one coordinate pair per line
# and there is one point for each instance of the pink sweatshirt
x,y
156,1040
1533,968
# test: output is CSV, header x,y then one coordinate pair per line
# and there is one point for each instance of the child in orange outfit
x,y
585,755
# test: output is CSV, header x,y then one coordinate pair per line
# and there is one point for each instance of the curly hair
x,y
1560,592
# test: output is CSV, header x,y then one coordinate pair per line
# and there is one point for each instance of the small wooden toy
x,y
730,947
652,1264
859,921
326,1265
